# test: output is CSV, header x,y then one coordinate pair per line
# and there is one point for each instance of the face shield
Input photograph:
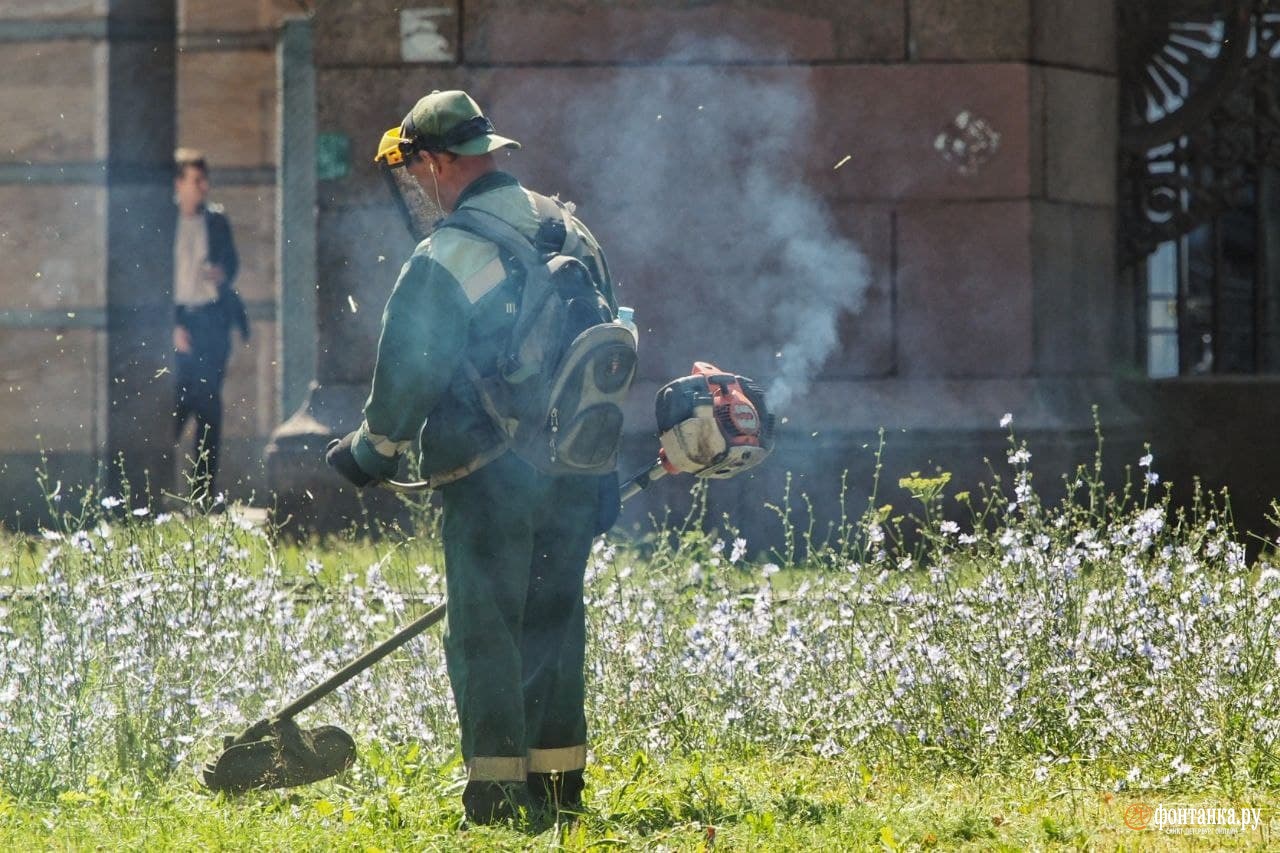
x,y
419,211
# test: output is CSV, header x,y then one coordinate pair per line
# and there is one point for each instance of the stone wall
x,y
965,146
53,252
68,91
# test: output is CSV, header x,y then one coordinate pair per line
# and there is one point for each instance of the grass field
x,y
964,671
716,800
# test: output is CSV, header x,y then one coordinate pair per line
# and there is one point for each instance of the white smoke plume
x,y
706,166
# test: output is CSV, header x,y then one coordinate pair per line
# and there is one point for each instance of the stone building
x,y
908,214
95,96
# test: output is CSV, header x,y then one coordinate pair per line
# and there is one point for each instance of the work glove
x,y
340,458
610,503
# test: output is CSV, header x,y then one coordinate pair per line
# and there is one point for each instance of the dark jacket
x,y
222,251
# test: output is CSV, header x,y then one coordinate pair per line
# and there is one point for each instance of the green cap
x,y
452,121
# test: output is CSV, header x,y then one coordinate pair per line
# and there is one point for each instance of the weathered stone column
x,y
296,212
140,116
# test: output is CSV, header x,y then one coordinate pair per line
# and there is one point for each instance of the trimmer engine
x,y
713,424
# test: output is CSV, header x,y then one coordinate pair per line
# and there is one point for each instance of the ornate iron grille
x,y
1200,149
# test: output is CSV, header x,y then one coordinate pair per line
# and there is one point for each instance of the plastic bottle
x,y
626,318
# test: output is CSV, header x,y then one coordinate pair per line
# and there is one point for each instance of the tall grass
x,y
1109,635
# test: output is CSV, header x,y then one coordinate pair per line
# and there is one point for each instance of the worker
x,y
516,540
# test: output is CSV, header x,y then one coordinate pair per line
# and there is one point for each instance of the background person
x,y
206,307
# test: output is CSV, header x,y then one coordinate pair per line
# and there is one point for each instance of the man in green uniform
x,y
516,540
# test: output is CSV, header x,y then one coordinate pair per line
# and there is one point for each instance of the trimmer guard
x,y
279,754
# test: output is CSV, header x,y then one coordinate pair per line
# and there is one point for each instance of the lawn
x,y
720,799
964,671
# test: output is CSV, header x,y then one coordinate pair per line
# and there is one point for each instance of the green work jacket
x,y
455,301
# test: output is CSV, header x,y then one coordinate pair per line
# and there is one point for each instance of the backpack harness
x,y
556,392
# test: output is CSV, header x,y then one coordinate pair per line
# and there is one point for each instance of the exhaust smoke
x,y
705,166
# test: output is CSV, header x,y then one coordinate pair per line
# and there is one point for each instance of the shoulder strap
x,y
494,228
554,230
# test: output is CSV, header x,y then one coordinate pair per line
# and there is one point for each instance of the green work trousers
x,y
516,545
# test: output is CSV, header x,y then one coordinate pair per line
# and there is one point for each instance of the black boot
x,y
557,791
495,802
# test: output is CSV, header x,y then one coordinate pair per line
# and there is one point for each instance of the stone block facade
x,y
559,33
965,147
965,290
67,231
51,101
53,248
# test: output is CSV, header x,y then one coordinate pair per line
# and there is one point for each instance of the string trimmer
x,y
711,424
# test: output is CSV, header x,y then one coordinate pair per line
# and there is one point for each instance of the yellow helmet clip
x,y
392,148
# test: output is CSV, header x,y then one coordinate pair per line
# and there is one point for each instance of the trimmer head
x,y
279,754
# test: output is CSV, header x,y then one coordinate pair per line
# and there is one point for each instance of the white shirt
x,y
190,254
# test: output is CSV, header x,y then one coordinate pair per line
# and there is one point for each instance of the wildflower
x,y
1006,420
949,528
1235,557
110,502
141,511
1147,525
829,748
739,550
1021,456
1145,461
770,569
